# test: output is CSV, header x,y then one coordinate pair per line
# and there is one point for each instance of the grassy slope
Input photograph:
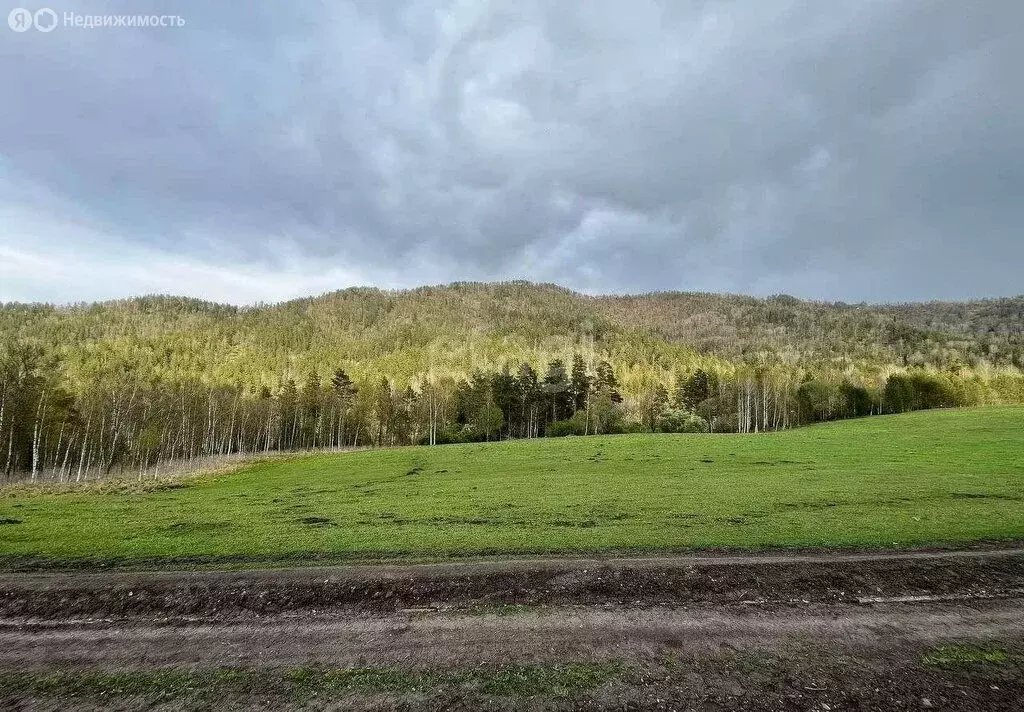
x,y
940,476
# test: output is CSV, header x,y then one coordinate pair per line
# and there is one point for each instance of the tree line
x,y
123,419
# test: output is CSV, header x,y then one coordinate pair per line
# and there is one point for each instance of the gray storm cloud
x,y
859,150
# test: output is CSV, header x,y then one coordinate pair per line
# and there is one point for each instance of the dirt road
x,y
921,630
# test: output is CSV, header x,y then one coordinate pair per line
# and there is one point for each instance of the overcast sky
x,y
855,150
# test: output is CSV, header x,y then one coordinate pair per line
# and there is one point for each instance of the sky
x,y
860,150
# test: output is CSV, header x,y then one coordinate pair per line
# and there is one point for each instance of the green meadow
x,y
947,476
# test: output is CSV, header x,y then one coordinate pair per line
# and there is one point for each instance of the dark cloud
x,y
865,150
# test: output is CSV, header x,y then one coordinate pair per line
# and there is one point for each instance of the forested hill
x,y
467,325
137,382
935,333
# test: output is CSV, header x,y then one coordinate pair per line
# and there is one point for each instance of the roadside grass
x,y
934,477
964,655
512,681
566,680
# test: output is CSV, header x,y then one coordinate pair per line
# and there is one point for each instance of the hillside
x,y
134,382
939,334
398,333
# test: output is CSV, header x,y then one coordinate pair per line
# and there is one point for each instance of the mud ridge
x,y
843,579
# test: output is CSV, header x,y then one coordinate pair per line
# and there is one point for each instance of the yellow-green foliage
x,y
453,329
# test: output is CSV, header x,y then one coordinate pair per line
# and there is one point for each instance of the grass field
x,y
928,477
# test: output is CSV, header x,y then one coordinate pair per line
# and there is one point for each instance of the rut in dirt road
x,y
549,635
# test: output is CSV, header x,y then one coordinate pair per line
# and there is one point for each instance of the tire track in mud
x,y
677,580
